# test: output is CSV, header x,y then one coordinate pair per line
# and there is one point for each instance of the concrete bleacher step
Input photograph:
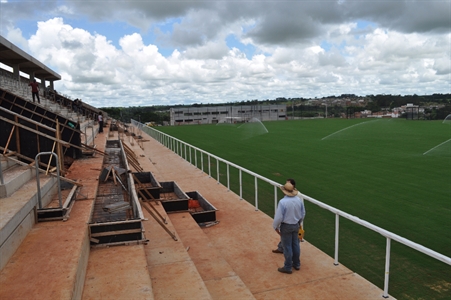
x,y
172,271
51,261
6,163
219,277
117,272
161,269
14,177
17,214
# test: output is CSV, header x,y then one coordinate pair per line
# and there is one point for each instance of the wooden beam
x,y
153,207
93,148
9,139
64,143
143,204
17,136
59,149
32,163
108,233
27,119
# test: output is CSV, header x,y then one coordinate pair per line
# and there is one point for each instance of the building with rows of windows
x,y
226,114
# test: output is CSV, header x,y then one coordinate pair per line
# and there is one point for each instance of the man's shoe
x,y
282,270
277,251
297,268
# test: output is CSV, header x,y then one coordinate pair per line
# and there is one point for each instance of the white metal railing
x,y
180,148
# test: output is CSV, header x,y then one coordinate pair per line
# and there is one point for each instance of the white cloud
x,y
288,49
15,36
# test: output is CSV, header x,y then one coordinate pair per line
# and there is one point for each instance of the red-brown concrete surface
x,y
231,260
50,261
235,255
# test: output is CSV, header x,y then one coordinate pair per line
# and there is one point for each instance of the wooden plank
x,y
66,144
151,206
143,204
59,150
27,119
32,163
50,159
113,172
17,136
94,149
9,139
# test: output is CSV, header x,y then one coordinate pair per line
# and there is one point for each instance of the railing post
x,y
209,166
86,135
275,199
217,170
256,194
228,177
387,267
195,157
38,183
92,129
337,229
241,185
202,160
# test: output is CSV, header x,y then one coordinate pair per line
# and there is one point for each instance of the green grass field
x,y
393,173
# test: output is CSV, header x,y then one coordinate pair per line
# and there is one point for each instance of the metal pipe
x,y
337,230
217,170
228,178
57,178
256,193
387,267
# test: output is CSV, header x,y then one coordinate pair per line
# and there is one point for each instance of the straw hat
x,y
288,189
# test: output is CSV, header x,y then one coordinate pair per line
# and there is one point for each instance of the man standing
x,y
289,215
100,119
301,197
34,90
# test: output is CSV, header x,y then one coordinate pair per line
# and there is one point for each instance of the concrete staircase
x,y
34,253
22,90
18,202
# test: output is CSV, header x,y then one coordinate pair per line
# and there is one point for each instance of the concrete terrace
x,y
231,260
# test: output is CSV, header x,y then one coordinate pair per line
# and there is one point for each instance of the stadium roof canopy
x,y
14,57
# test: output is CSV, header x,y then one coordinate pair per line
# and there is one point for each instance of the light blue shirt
x,y
290,211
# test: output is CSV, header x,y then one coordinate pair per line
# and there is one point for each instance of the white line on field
x,y
436,146
348,128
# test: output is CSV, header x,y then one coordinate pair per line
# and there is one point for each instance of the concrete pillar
x,y
16,73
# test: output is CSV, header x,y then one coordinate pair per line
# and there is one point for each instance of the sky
x,y
166,52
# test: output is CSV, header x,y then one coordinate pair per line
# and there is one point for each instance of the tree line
x,y
437,106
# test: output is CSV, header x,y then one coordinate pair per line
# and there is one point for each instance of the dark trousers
x,y
290,243
35,94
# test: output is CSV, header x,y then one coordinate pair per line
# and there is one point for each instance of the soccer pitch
x,y
393,173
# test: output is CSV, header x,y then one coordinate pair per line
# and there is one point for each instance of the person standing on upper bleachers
x,y
34,90
100,119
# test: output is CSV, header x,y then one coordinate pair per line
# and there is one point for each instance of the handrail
x,y
57,177
174,145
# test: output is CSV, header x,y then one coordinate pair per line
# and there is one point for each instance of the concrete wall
x,y
218,114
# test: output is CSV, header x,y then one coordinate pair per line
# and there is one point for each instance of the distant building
x,y
220,114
